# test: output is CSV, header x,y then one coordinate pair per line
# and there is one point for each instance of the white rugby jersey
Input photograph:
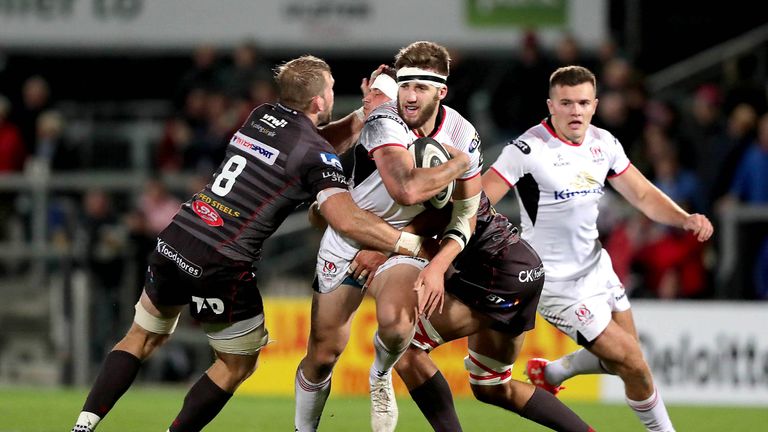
x,y
558,185
383,128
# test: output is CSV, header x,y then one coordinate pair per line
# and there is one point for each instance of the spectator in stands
x,y
750,186
52,150
35,99
247,68
702,126
209,141
12,155
468,75
617,74
516,99
206,74
568,52
158,206
739,134
613,113
101,241
155,208
671,259
12,151
176,137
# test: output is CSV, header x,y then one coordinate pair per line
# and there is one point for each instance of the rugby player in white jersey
x,y
422,71
338,296
559,169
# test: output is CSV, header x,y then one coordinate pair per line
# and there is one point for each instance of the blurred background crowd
x,y
156,126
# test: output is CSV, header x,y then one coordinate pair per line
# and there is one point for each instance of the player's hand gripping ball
x,y
427,153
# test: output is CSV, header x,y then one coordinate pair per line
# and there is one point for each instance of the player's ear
x,y
317,104
442,92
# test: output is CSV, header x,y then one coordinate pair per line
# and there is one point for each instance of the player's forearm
x,y
660,208
424,183
372,232
449,250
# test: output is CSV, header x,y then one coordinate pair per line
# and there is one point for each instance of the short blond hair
x,y
301,79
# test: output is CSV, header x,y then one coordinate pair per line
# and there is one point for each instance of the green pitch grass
x,y
152,409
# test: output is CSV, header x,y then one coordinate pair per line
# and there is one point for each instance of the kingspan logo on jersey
x,y
583,184
184,264
255,147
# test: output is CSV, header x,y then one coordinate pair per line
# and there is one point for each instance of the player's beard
x,y
426,113
325,116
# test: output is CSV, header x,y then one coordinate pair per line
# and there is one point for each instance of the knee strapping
x,y
151,323
485,370
426,337
243,337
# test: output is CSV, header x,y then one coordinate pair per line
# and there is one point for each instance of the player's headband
x,y
386,84
410,74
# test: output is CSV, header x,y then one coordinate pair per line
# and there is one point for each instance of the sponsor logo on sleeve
x,y
378,116
336,177
255,147
522,145
208,214
182,263
475,143
332,160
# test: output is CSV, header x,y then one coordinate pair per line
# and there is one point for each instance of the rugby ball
x,y
427,153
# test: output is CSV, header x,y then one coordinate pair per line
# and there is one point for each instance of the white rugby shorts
x,y
584,305
333,260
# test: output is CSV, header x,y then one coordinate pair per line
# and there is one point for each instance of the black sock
x,y
203,402
545,409
115,377
435,401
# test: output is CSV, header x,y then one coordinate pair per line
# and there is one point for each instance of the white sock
x,y
86,422
385,357
652,413
579,362
310,401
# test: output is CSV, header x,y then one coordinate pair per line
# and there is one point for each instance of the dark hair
x,y
390,72
572,76
301,79
425,55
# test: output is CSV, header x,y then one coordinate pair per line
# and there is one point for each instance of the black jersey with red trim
x,y
276,161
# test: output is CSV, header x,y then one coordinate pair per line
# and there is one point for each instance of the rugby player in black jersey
x,y
207,256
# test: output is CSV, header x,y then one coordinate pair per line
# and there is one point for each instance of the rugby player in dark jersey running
x,y
207,256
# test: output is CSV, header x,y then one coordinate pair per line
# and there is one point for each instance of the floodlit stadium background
x,y
116,125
